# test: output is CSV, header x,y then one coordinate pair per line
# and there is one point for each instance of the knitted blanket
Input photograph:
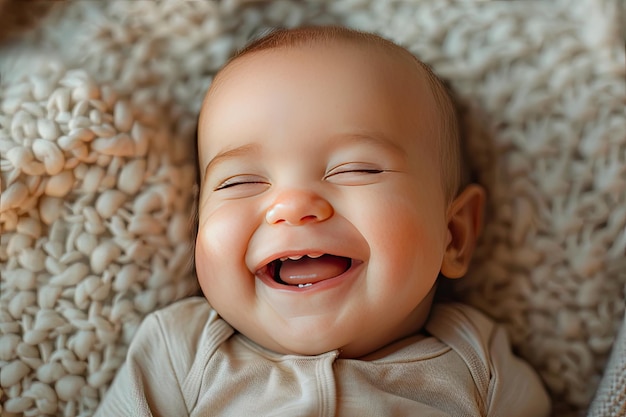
x,y
98,103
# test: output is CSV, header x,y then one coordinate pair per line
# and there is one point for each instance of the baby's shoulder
x,y
504,381
189,318
460,318
470,334
466,330
191,307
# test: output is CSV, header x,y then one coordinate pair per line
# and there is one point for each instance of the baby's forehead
x,y
395,58
400,68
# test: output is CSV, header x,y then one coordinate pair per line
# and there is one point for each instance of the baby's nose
x,y
297,207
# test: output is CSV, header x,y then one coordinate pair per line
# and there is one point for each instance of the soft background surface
x,y
97,108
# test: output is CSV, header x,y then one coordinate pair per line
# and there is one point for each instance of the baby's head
x,y
332,194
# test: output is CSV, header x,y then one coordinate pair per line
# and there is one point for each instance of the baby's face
x,y
322,219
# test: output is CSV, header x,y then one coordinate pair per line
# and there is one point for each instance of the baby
x,y
333,195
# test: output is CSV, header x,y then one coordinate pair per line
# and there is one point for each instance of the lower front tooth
x,y
304,285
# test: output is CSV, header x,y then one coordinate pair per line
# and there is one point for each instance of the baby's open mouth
x,y
304,271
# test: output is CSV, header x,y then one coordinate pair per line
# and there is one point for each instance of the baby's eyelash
x,y
231,182
367,171
360,171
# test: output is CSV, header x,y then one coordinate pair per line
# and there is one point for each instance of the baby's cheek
x,y
223,238
205,267
407,234
215,240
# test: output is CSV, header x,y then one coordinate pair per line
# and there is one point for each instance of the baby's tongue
x,y
307,270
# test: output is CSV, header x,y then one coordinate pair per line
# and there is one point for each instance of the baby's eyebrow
x,y
375,139
228,154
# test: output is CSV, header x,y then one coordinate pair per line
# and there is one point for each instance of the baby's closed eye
x,y
354,173
241,180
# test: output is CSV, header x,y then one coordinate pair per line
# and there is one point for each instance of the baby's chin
x,y
300,346
351,333
312,346
347,343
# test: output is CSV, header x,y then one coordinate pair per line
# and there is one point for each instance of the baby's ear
x,y
465,222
